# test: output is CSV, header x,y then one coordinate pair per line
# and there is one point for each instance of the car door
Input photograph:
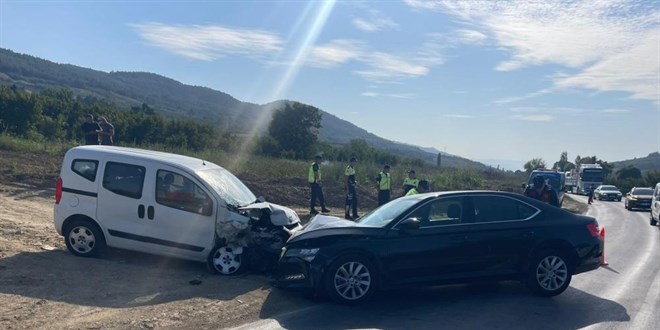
x,y
434,251
506,226
180,217
121,203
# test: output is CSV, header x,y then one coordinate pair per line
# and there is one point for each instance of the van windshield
x,y
229,187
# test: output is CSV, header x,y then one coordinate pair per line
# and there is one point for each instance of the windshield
x,y
643,191
608,188
229,187
592,176
383,215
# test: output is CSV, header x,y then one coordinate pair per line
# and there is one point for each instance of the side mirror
x,y
410,224
261,199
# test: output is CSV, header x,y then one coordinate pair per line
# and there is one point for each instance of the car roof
x,y
175,160
464,192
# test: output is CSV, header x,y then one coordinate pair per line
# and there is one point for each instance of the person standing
x,y
541,191
107,133
384,185
314,180
591,194
422,187
90,130
351,195
410,182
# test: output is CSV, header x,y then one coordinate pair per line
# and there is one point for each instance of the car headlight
x,y
305,254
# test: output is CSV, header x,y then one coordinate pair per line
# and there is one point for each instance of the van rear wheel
x,y
84,238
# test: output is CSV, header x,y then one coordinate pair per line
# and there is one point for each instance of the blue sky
x,y
484,80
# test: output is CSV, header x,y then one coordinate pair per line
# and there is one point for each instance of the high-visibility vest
x,y
412,191
310,177
384,181
349,170
411,182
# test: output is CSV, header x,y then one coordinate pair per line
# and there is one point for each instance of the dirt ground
x,y
43,286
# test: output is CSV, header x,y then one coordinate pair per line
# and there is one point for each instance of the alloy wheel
x,y
352,280
551,273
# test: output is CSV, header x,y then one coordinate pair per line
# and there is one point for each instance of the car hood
x,y
323,225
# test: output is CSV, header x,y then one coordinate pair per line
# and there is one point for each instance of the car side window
x,y
124,179
441,212
176,191
497,208
85,168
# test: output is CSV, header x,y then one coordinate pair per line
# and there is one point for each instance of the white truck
x,y
589,177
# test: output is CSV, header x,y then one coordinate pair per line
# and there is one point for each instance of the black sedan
x,y
439,238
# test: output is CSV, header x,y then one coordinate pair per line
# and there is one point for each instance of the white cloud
x,y
469,36
335,53
370,94
458,116
387,66
375,21
539,117
612,44
209,42
392,95
616,111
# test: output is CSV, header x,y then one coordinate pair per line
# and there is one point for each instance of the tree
x,y
534,164
629,173
295,128
563,164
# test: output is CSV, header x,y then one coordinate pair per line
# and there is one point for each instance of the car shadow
x,y
507,305
119,279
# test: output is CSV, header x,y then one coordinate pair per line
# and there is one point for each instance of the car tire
x,y
549,273
652,221
351,279
84,238
227,261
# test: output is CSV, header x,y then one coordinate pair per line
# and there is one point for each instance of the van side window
x,y
124,179
85,168
175,190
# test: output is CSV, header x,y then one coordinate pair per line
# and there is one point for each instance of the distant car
x,y
639,198
607,192
439,238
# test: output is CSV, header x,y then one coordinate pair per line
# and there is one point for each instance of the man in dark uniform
x,y
91,130
351,196
541,191
107,133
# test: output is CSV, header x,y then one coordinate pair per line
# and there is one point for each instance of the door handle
x,y
150,212
141,211
528,234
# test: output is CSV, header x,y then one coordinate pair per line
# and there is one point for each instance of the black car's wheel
x,y
652,221
549,273
84,238
351,279
226,260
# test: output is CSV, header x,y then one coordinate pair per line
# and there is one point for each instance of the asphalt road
x,y
623,295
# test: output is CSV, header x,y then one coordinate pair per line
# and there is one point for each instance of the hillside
x,y
644,164
174,99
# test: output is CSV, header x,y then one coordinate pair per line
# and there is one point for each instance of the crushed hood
x,y
279,215
326,221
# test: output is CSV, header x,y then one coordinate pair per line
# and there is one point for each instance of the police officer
x,y
410,182
351,196
422,187
541,191
314,180
384,185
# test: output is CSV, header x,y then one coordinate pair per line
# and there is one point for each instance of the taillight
x,y
58,191
594,229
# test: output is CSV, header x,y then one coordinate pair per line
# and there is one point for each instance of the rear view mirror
x,y
410,224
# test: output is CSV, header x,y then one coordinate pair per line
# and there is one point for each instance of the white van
x,y
655,205
159,203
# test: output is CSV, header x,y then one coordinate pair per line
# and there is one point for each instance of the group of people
x,y
411,186
97,132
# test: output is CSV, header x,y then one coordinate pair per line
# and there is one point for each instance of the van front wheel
x,y
227,260
84,238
